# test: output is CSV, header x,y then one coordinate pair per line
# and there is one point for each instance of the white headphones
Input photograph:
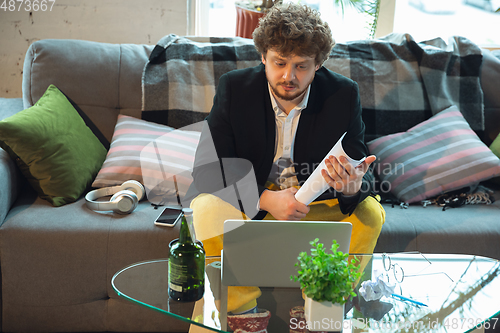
x,y
124,200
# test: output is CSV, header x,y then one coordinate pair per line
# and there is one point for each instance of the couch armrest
x,y
9,183
10,177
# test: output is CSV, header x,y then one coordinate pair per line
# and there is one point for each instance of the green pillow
x,y
495,146
54,149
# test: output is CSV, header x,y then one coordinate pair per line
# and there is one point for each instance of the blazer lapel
x,y
269,133
305,128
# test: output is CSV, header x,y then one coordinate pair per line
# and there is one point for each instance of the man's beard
x,y
286,97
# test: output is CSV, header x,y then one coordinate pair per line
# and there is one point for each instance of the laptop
x,y
264,253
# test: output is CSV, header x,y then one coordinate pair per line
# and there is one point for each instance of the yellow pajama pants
x,y
210,212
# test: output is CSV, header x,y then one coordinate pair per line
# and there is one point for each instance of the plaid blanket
x,y
402,82
179,81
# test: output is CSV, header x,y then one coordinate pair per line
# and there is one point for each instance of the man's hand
x,y
342,176
282,205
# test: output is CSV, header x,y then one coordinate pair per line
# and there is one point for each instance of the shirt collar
x,y
299,107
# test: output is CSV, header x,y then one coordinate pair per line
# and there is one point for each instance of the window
x,y
423,19
349,26
222,18
427,19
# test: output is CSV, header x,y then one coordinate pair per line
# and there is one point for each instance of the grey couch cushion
x,y
10,106
471,229
57,264
102,79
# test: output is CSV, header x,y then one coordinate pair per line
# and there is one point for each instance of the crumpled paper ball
x,y
373,290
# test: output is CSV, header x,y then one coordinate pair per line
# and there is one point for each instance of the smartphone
x,y
169,217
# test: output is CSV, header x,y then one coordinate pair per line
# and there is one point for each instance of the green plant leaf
x,y
326,276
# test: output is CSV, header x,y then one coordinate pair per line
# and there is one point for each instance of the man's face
x,y
289,77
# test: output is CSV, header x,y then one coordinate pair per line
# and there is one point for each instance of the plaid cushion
x,y
136,148
167,163
440,154
402,82
122,163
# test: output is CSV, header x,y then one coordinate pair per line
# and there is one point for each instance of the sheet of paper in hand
x,y
315,185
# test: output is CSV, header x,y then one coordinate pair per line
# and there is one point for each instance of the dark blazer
x,y
242,125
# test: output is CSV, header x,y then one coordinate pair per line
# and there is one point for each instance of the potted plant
x,y
327,281
248,13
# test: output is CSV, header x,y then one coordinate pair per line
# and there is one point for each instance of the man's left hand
x,y
342,176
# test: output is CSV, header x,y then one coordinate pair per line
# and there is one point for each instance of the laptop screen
x,y
264,253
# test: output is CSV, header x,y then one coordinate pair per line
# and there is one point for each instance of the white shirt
x,y
283,170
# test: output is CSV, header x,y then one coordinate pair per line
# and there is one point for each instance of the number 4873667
x,y
27,5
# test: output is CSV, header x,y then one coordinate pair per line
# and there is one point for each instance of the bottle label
x,y
178,274
175,287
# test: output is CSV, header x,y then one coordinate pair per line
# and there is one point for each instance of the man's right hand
x,y
282,205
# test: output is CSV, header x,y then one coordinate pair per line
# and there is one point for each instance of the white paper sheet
x,y
316,185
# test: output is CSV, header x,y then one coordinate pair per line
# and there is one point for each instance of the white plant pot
x,y
323,316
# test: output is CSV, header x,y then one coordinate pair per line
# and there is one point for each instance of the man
x,y
284,116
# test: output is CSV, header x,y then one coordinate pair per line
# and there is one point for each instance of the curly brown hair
x,y
293,29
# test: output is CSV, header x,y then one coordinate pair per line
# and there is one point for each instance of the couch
x,y
57,262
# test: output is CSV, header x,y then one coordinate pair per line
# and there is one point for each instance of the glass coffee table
x,y
433,293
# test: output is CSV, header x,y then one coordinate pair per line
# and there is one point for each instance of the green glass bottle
x,y
186,264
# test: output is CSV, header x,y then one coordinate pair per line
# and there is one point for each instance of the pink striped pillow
x,y
438,155
133,139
